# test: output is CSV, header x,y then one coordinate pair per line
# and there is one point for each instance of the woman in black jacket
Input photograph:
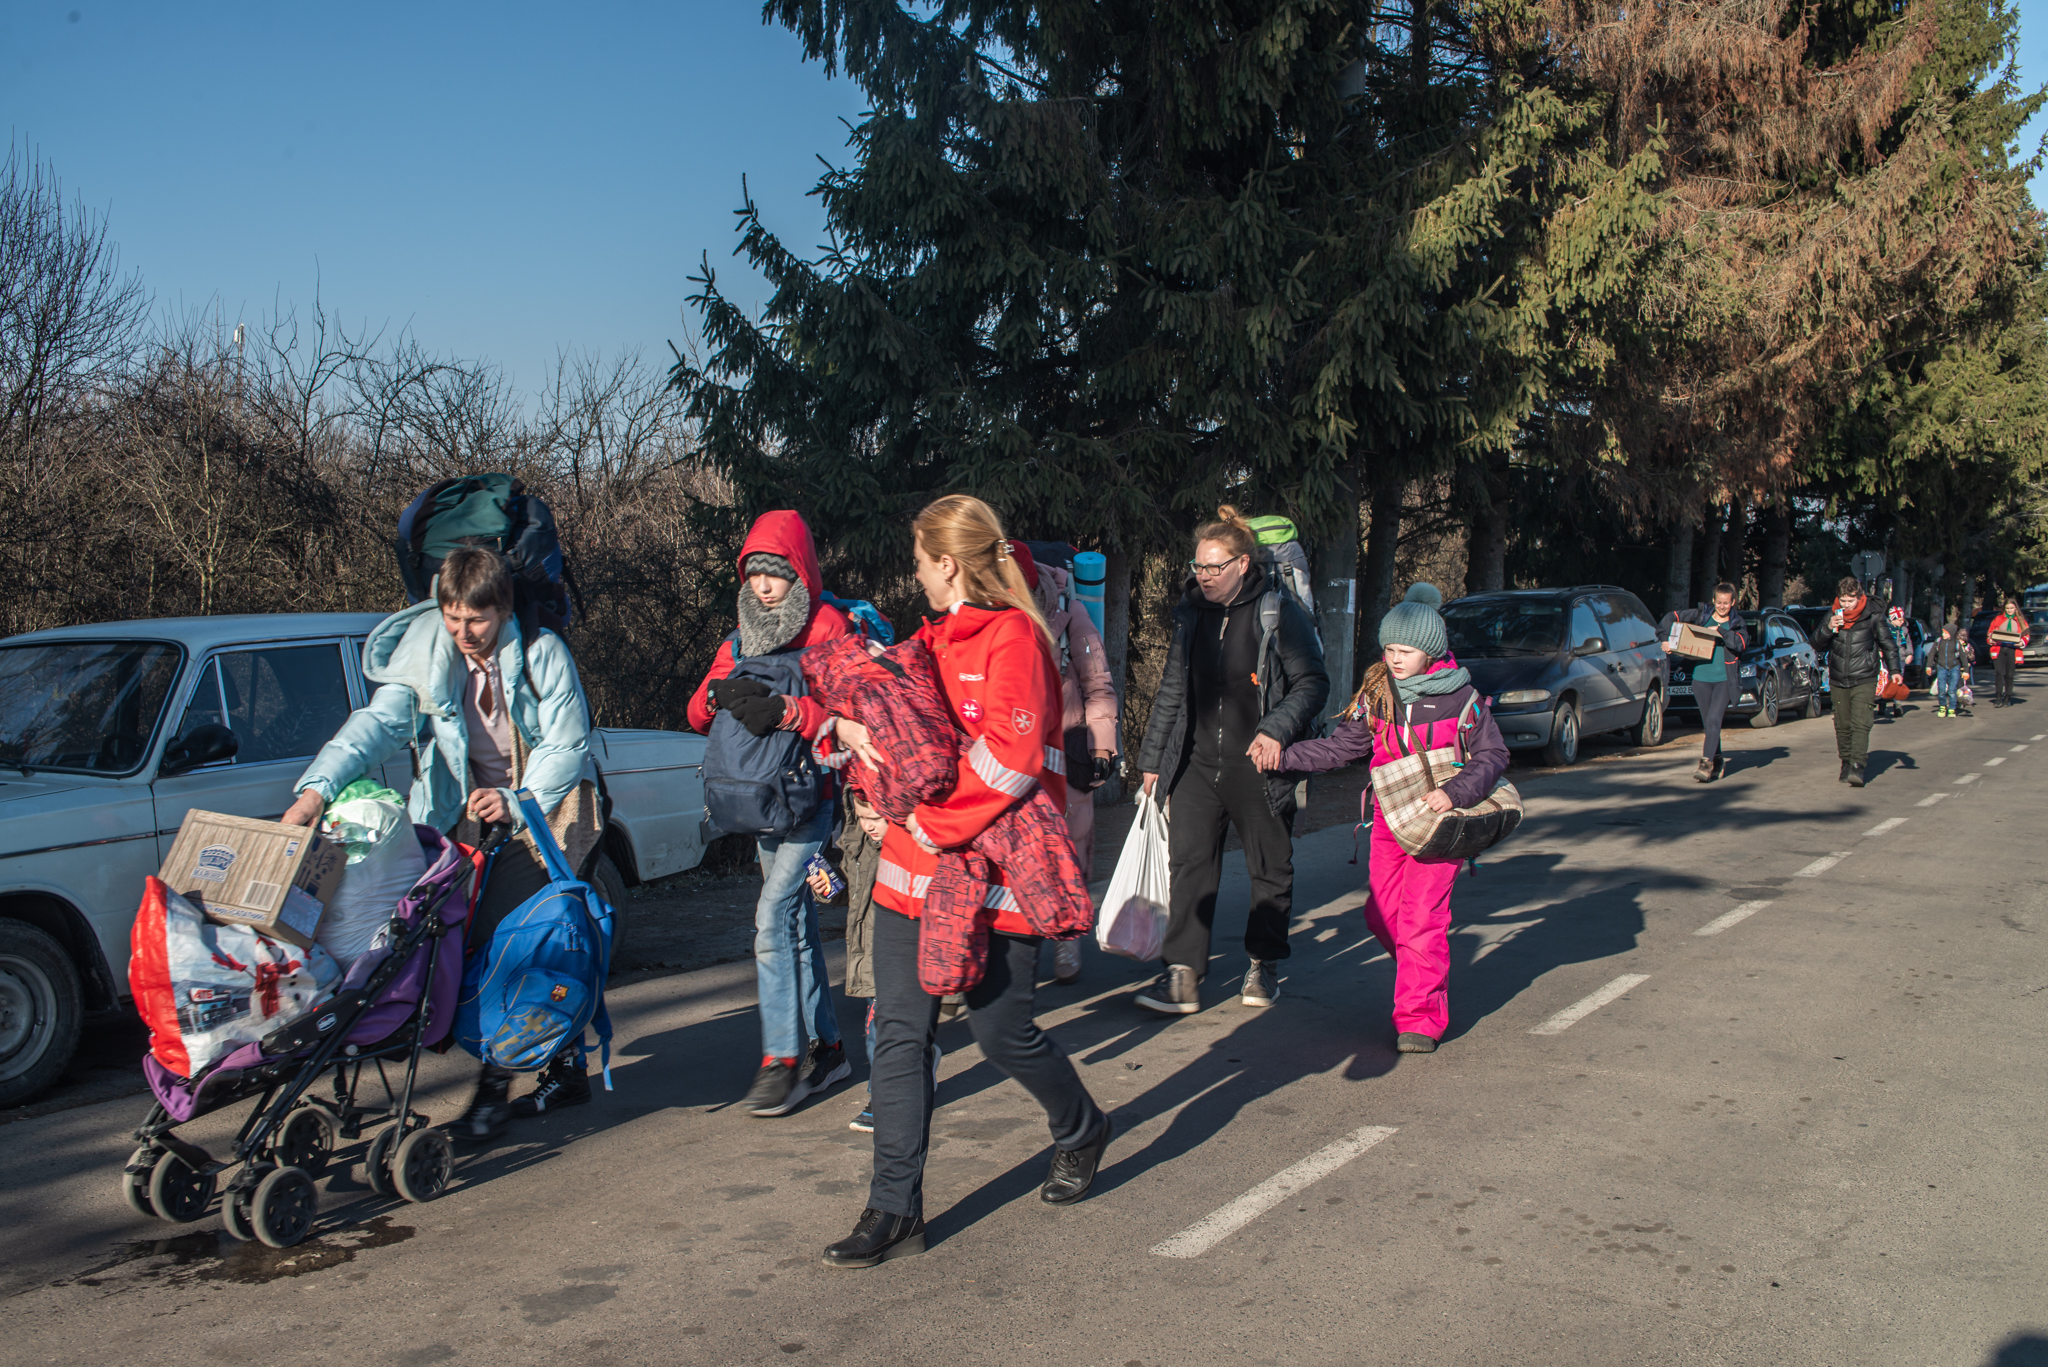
x,y
1713,681
1244,679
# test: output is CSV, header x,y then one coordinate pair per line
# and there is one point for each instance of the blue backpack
x,y
761,785
539,983
867,619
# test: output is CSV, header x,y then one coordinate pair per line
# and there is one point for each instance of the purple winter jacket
x,y
1486,754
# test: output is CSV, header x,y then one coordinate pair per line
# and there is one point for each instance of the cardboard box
x,y
1694,643
266,875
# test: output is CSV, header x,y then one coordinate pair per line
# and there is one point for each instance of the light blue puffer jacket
x,y
411,655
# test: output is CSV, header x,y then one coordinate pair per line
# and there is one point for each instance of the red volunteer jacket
x,y
782,533
1004,689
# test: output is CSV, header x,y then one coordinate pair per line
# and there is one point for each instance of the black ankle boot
x,y
1073,1170
488,1109
878,1237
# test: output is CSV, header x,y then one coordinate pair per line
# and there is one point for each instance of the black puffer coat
x,y
1855,651
1292,683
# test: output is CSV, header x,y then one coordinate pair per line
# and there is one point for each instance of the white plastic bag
x,y
207,989
1132,918
384,861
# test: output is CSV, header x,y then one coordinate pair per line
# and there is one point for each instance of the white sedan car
x,y
110,733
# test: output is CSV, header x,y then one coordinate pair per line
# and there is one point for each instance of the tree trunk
x,y
1710,555
1336,587
1735,546
1777,550
1382,540
1678,571
1486,545
1116,649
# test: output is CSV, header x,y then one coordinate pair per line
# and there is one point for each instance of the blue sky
x,y
507,180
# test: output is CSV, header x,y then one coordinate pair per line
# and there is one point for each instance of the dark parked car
x,y
1780,675
1559,664
1809,620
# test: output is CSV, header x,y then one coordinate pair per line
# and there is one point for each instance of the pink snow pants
x,y
1408,910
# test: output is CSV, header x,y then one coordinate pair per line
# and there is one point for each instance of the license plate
x,y
1681,690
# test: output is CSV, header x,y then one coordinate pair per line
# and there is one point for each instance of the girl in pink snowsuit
x,y
1416,698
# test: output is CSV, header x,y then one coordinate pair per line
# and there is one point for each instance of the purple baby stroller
x,y
395,1000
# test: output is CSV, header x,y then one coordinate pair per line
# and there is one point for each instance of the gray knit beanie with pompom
x,y
1415,623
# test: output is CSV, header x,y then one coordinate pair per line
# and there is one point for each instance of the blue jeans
x,y
789,957
1946,684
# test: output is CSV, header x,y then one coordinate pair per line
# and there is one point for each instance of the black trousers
x,y
1206,803
2001,674
1713,698
1000,1010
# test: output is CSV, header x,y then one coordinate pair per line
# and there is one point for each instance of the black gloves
x,y
759,713
725,692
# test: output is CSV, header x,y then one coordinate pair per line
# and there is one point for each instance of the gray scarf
x,y
763,628
1432,684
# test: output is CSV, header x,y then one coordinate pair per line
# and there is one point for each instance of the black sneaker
x,y
1261,984
488,1112
1856,777
563,1083
826,1066
777,1089
1176,992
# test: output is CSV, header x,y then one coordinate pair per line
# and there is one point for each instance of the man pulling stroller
x,y
489,710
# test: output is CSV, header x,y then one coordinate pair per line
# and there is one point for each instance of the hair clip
x,y
1002,549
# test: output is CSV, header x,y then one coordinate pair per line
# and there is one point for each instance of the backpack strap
x,y
544,839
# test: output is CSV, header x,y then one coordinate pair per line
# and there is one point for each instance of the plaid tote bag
x,y
1400,784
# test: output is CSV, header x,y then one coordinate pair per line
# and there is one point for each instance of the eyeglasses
x,y
1211,571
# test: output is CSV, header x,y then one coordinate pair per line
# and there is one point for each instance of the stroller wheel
x,y
285,1206
425,1160
305,1141
377,1160
135,1180
178,1193
234,1215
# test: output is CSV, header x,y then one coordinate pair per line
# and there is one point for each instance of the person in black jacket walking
x,y
1857,640
1244,679
1713,685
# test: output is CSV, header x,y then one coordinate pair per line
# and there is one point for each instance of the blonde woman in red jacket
x,y
995,662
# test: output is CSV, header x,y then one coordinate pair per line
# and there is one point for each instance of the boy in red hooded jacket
x,y
781,609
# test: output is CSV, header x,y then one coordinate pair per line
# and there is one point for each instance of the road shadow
x,y
2024,1349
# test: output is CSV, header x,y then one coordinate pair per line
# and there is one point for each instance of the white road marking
x,y
1727,919
1995,759
1822,864
2017,748
1890,824
1219,1224
1586,1006
2042,736
1968,778
1930,799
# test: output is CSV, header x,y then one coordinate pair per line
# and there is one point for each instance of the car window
x,y
84,706
1622,621
1495,628
282,702
1585,624
1779,631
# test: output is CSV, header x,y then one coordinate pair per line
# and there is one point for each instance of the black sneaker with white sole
x,y
777,1088
1261,983
1176,992
825,1066
562,1084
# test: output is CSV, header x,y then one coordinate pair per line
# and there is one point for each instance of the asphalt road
x,y
1811,1136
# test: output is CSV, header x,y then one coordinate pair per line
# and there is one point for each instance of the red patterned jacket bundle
x,y
998,826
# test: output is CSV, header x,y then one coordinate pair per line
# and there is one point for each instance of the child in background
x,y
857,854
